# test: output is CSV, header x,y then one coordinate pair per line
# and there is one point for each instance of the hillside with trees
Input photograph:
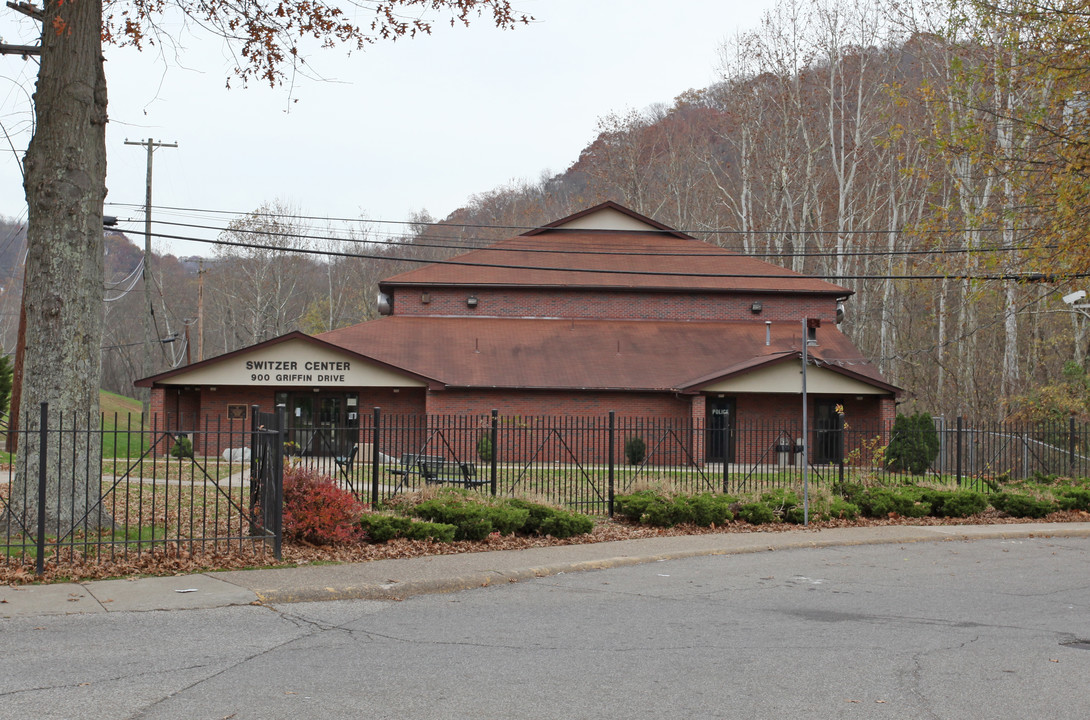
x,y
931,157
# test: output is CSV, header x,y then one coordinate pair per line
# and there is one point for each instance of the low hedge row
x,y
850,501
460,515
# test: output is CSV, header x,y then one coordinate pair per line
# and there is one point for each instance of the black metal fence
x,y
111,490
200,486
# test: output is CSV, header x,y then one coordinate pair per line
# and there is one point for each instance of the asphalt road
x,y
928,630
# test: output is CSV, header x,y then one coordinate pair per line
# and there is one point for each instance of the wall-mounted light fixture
x,y
756,307
425,298
471,301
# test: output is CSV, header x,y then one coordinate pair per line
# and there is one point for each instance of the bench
x,y
409,465
344,462
437,470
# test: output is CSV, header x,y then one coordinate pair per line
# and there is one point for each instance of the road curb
x,y
754,543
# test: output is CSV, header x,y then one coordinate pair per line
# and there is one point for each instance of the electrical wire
x,y
441,223
1008,276
462,246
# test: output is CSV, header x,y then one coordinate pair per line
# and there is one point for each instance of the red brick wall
x,y
543,425
762,421
578,303
204,412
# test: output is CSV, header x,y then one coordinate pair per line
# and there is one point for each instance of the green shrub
x,y
183,448
884,502
474,519
955,503
635,450
913,444
705,509
1017,505
381,528
484,448
565,525
852,492
649,508
640,506
545,520
1074,498
841,509
756,513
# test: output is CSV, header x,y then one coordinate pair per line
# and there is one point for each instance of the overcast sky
x,y
419,124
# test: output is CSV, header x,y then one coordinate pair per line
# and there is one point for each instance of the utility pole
x,y
149,315
200,310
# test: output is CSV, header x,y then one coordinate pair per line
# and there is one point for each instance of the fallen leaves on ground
x,y
174,560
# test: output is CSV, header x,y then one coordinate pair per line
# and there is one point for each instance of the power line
x,y
487,226
1016,277
743,252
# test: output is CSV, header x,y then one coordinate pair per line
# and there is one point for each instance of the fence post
x,y
1071,446
495,437
43,455
277,477
612,440
958,451
375,436
256,489
725,451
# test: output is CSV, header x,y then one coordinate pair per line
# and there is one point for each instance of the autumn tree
x,y
65,185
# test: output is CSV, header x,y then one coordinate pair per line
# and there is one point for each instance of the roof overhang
x,y
292,360
782,374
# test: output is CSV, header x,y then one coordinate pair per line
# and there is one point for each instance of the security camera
x,y
1074,297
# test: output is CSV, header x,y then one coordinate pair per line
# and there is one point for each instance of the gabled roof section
x,y
629,355
608,216
222,367
849,365
640,256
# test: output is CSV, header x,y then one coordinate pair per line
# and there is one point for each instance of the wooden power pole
x,y
150,339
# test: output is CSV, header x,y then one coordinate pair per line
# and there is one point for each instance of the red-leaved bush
x,y
316,510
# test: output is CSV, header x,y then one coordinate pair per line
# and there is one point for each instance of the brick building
x,y
603,310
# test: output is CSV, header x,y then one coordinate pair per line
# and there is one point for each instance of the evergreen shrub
x,y
756,513
635,450
545,520
1076,498
913,443
484,448
473,519
382,528
1018,505
183,448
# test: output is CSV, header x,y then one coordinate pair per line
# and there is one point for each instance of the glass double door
x,y
322,424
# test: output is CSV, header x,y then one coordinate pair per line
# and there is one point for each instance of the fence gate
x,y
267,475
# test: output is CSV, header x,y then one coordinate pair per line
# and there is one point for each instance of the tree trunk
x,y
65,186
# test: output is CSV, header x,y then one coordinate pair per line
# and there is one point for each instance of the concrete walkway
x,y
396,579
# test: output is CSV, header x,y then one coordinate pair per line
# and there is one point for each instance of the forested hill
x,y
932,156
891,163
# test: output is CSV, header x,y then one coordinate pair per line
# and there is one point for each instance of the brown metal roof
x,y
588,354
612,259
655,259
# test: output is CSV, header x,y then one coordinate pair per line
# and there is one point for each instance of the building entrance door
x,y
322,424
828,433
720,429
